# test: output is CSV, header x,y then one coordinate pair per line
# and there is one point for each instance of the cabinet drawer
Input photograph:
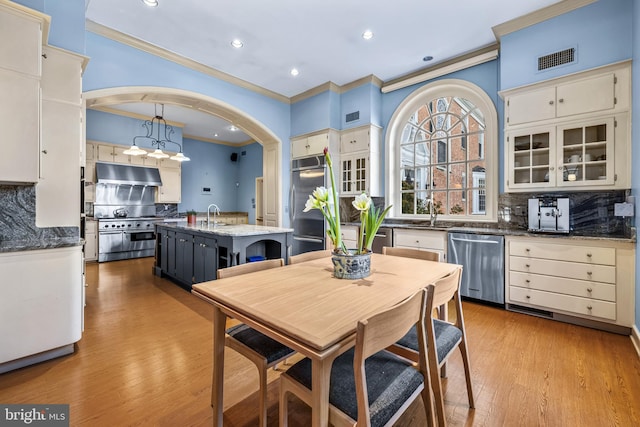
x,y
584,254
572,304
579,288
420,239
349,233
572,270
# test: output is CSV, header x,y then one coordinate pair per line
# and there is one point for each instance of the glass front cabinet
x,y
569,155
570,133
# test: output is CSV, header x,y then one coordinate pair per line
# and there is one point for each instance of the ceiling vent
x,y
352,116
557,58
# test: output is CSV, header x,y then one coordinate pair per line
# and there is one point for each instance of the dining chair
x,y
370,386
411,253
443,338
262,350
308,256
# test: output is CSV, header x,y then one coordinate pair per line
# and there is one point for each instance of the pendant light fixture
x,y
154,136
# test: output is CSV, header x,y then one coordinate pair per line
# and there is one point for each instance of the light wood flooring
x,y
145,360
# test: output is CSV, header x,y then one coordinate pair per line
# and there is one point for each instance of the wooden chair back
x,y
249,267
382,330
308,256
444,290
411,253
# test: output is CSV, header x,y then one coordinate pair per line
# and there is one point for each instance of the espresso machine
x,y
549,215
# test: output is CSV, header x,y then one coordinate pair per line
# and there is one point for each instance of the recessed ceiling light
x,y
427,58
232,128
150,3
237,43
367,35
294,72
215,135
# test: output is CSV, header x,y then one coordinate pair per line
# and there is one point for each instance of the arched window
x,y
442,151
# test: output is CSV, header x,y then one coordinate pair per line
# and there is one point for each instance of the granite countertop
x,y
228,230
30,245
505,232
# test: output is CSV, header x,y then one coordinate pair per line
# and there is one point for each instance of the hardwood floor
x,y
145,359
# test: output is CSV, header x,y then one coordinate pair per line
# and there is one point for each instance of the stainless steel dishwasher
x,y
482,258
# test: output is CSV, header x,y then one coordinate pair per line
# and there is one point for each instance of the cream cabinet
x,y
171,189
431,240
314,144
360,168
588,279
112,153
91,240
61,139
349,235
570,133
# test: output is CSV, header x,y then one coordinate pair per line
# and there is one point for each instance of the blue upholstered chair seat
x,y
269,348
390,382
447,336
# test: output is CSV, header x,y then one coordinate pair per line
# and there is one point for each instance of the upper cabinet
x,y
360,161
314,144
20,72
570,133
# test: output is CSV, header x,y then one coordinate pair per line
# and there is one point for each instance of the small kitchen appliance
x,y
549,215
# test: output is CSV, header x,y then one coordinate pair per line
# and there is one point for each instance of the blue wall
x,y
601,33
232,183
635,136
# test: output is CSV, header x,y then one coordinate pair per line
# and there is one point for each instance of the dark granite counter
x,y
31,245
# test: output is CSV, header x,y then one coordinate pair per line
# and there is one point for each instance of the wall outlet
x,y
623,209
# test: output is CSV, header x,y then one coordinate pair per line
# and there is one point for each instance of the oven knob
x,y
128,225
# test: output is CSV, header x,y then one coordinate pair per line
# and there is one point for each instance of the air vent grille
x,y
557,58
352,116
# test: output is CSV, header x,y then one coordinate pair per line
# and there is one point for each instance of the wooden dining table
x,y
305,307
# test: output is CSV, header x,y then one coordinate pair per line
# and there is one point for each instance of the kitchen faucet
x,y
433,214
216,210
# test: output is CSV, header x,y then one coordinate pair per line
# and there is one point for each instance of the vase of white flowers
x,y
348,263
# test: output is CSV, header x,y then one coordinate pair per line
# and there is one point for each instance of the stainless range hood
x,y
113,173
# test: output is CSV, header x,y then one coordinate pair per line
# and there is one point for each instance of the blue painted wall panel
x,y
311,114
601,32
357,99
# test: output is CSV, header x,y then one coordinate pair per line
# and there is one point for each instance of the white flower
x,y
362,202
321,194
312,203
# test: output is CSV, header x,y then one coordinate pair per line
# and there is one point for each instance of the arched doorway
x,y
271,144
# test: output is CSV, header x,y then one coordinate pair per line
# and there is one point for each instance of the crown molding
x,y
538,16
330,86
370,79
471,59
136,43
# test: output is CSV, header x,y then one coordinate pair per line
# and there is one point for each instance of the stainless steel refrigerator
x,y
308,227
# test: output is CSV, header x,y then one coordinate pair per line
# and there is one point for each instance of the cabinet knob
x,y
589,255
550,102
527,249
561,100
527,281
589,290
526,265
589,307
44,151
528,297
589,273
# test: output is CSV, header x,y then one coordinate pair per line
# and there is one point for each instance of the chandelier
x,y
154,137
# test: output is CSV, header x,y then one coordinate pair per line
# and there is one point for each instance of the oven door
x,y
140,240
110,242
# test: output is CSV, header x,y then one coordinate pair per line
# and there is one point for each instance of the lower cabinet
x,y
430,240
588,279
186,258
205,259
91,240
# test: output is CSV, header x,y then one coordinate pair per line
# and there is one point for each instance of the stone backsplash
x,y
592,213
18,220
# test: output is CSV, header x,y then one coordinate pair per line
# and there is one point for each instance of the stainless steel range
x,y
125,238
125,210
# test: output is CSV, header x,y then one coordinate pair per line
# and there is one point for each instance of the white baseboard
x,y
635,338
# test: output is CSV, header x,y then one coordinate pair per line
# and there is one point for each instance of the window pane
x,y
422,154
409,179
457,204
406,155
458,151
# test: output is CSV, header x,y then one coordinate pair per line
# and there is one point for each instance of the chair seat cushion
x,y
447,336
271,349
390,382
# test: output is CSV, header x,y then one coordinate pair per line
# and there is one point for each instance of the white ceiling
x,y
322,39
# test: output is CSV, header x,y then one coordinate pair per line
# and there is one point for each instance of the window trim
x,y
397,122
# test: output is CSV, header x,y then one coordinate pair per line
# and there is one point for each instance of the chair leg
x,y
436,384
283,407
427,401
262,373
467,372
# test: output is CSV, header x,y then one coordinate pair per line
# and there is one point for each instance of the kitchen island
x,y
191,254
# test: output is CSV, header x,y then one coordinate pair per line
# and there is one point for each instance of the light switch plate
x,y
623,209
